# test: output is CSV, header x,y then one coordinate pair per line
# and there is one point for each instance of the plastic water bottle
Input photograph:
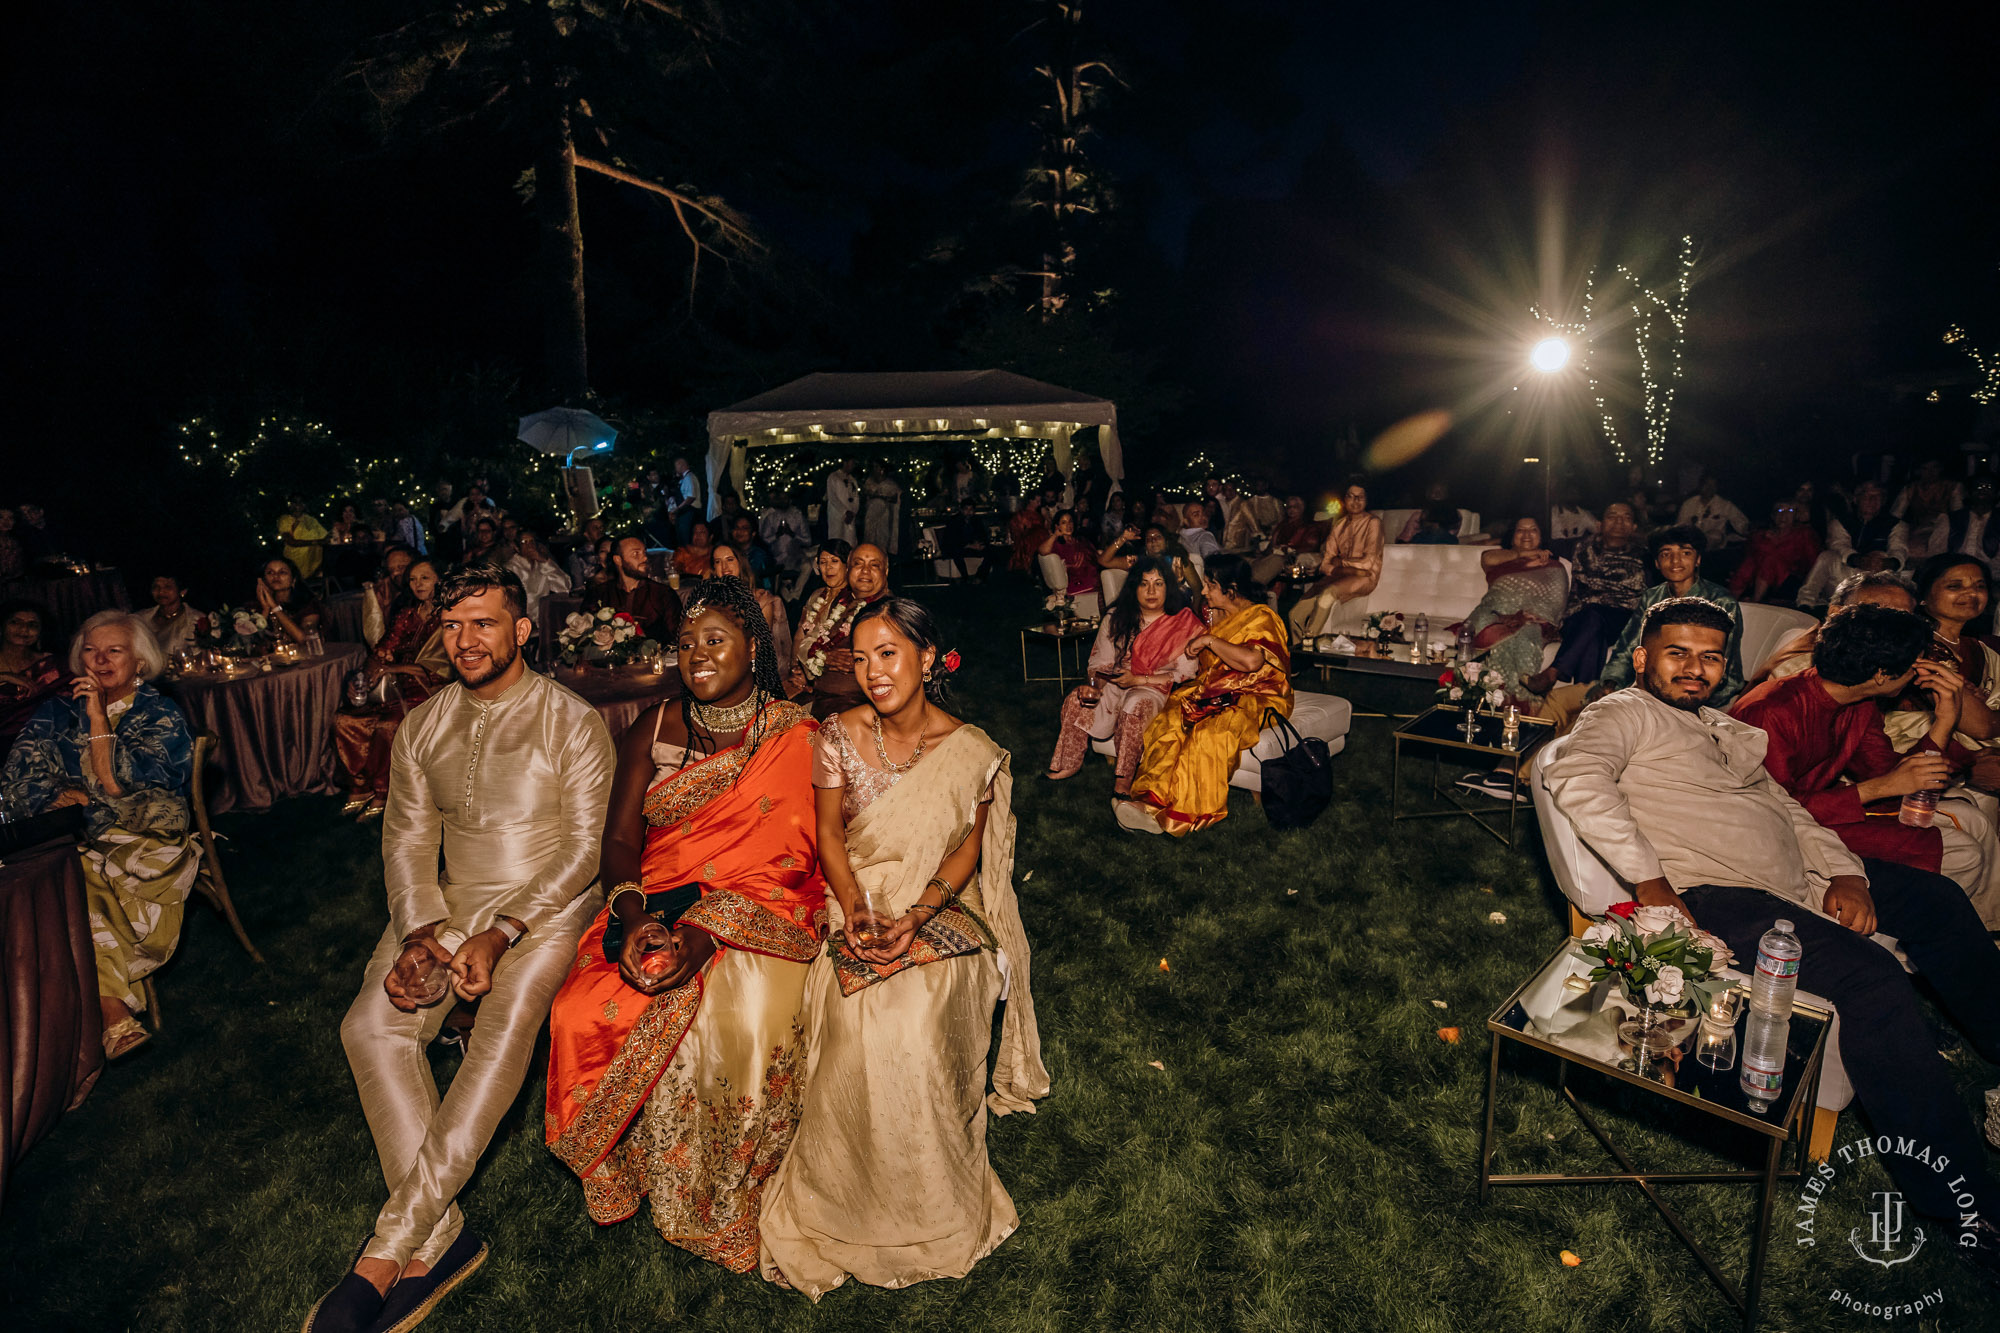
x,y
1465,641
1777,976
1763,1076
1420,638
1919,810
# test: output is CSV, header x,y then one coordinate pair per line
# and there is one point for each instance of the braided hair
x,y
732,597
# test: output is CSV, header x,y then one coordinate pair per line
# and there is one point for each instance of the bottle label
x,y
1754,1078
1777,968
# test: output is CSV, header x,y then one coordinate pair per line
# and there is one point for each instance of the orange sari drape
x,y
744,828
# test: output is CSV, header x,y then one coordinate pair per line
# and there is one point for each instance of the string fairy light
x,y
1989,366
1659,332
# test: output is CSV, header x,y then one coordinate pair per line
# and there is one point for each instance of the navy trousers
x,y
1890,1053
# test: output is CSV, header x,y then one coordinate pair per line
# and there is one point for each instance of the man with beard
x,y
653,604
506,775
1673,795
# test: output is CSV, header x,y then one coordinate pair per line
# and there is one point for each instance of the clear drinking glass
x,y
435,985
872,919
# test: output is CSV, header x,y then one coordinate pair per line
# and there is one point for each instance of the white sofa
x,y
1592,887
1395,520
1326,716
1766,629
1443,582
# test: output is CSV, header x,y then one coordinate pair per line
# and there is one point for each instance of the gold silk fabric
x,y
513,793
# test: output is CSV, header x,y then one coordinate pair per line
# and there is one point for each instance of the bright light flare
x,y
1550,355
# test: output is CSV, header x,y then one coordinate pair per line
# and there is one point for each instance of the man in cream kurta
x,y
1674,797
507,775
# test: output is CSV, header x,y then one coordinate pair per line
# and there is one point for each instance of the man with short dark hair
x,y
1828,748
1674,797
504,776
1676,554
634,591
173,622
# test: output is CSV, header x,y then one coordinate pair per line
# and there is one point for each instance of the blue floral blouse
x,y
153,761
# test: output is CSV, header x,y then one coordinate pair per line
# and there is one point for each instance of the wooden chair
x,y
209,881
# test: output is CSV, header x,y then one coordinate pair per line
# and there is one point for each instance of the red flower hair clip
x,y
951,660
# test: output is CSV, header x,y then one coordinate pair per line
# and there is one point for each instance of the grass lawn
x,y
1305,1159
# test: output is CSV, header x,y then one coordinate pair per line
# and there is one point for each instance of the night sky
x,y
1328,217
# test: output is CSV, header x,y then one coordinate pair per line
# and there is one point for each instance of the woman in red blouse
x,y
409,660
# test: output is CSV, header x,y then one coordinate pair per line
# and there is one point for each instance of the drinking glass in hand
x,y
872,919
659,960
434,985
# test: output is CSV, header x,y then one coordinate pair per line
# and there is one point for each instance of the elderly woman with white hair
x,y
118,748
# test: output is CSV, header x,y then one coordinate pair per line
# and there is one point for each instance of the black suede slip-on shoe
x,y
413,1298
352,1306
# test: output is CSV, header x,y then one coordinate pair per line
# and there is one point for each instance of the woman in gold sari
x,y
675,1065
888,1180
1194,745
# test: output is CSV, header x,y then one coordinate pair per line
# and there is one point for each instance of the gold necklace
x,y
735,717
882,750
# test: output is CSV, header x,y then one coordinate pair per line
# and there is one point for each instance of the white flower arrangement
x,y
610,636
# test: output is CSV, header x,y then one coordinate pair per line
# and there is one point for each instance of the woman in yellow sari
x,y
675,1061
888,1179
1193,746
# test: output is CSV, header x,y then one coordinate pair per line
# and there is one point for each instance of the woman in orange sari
x,y
675,1067
1193,746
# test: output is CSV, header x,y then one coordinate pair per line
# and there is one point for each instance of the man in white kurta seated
x,y
505,774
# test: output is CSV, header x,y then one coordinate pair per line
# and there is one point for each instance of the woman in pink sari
x,y
1136,660
1526,591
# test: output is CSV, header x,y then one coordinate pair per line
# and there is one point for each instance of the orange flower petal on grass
x,y
1448,1034
1164,967
1570,1260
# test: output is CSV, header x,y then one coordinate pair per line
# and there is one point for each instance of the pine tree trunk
x,y
565,354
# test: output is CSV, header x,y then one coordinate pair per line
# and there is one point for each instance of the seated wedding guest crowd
x,y
1193,746
1828,749
1676,556
1675,797
291,609
1137,658
708,1050
117,748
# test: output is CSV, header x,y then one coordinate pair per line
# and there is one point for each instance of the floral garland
x,y
824,621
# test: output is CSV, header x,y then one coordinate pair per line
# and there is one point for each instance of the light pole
x,y
1549,356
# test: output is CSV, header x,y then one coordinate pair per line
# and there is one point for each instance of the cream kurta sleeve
x,y
411,828
586,761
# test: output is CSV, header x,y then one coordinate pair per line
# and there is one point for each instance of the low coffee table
x,y
1437,730
1068,638
1394,659
1698,1090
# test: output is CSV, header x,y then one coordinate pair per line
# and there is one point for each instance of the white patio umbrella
x,y
567,431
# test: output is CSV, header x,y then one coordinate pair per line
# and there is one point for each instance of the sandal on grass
x,y
124,1036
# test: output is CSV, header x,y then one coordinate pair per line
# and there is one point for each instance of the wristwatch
x,y
509,929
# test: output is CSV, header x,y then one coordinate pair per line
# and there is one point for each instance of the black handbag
x,y
1298,784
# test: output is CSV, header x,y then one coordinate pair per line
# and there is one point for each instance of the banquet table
x,y
276,728
620,696
50,1043
71,599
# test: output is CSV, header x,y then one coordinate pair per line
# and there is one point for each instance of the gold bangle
x,y
624,887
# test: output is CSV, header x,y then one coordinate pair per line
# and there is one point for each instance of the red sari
x,y
691,1096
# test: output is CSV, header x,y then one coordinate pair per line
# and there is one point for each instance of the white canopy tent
x,y
828,410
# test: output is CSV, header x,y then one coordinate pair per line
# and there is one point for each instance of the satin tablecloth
x,y
50,1040
276,729
620,696
343,617
71,600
